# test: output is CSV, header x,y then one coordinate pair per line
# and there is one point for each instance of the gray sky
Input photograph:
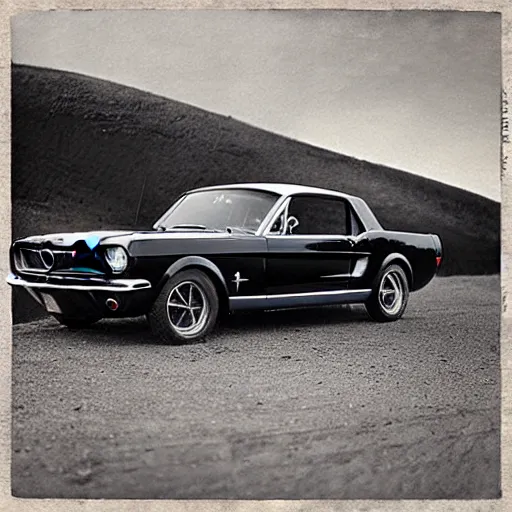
x,y
419,91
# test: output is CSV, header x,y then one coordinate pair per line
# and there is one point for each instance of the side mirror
x,y
291,223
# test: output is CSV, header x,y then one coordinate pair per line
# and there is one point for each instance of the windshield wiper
x,y
202,227
189,226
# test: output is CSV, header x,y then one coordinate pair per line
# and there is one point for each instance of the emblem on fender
x,y
238,279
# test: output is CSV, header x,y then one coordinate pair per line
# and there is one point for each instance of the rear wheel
x,y
186,309
389,296
75,322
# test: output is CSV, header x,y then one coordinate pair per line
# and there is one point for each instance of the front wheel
x,y
389,296
186,309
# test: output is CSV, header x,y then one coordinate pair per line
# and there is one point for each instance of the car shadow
x,y
298,317
136,331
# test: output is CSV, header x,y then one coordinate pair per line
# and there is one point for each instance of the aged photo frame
x,y
33,215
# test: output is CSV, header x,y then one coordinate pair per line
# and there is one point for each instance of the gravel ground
x,y
303,404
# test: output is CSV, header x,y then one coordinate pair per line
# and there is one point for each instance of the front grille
x,y
33,260
28,259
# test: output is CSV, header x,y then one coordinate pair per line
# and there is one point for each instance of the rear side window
x,y
319,215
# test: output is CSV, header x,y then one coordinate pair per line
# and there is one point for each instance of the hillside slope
x,y
84,151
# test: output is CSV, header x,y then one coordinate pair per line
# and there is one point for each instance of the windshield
x,y
221,209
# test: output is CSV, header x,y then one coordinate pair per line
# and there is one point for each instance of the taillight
x,y
438,261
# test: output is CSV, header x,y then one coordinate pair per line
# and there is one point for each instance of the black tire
x,y
75,322
390,286
193,316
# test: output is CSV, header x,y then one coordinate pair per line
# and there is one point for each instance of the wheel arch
x,y
402,261
206,266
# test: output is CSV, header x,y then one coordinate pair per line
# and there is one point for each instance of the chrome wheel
x,y
391,292
187,308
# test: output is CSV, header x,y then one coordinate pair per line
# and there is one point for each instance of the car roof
x,y
282,189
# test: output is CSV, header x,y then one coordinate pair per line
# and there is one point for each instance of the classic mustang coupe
x,y
226,248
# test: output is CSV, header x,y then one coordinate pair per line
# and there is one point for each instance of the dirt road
x,y
318,403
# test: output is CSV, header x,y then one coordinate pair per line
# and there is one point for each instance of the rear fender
x,y
400,259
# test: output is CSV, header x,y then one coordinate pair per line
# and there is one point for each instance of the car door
x,y
316,256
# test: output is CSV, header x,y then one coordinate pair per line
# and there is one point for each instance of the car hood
x,y
91,238
148,236
121,237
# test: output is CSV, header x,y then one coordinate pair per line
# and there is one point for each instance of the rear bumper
x,y
82,297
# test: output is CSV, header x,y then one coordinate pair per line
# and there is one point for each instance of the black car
x,y
226,248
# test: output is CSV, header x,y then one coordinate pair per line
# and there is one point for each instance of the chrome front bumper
x,y
82,284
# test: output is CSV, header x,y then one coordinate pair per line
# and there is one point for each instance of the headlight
x,y
117,259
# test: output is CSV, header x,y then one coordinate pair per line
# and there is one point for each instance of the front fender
x,y
195,262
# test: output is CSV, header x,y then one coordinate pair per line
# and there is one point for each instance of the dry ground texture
x,y
318,403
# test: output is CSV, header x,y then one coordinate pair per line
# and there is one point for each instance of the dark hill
x,y
83,149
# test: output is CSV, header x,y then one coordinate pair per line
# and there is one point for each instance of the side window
x,y
319,215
